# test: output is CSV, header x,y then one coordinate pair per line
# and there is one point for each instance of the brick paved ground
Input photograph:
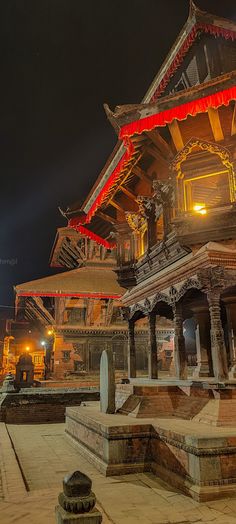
x,y
45,455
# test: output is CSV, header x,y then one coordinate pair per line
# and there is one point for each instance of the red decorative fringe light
x,y
59,294
76,224
188,42
112,179
180,112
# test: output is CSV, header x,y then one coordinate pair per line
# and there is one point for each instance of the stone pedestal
x,y
77,501
63,517
203,342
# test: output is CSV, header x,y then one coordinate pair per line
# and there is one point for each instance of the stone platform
x,y
188,443
202,401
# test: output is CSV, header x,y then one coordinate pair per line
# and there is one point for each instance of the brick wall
x,y
41,406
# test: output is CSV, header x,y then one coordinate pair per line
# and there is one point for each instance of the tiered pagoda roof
x,y
137,124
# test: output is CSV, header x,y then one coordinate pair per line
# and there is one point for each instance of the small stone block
x,y
63,517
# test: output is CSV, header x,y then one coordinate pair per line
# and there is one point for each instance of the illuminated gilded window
x,y
206,191
213,186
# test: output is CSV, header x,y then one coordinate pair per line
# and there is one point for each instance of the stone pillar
x,y
107,382
152,354
77,501
203,342
230,306
180,359
218,349
131,350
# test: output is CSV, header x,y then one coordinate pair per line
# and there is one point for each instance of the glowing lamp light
x,y
43,343
200,208
27,348
49,332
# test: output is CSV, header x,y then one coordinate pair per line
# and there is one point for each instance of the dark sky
x,y
60,60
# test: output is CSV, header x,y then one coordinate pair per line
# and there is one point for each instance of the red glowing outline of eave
x,y
93,236
217,31
181,112
75,295
112,179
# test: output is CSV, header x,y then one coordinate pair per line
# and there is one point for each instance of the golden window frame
x,y
212,148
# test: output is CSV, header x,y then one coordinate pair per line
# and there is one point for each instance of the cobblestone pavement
x,y
45,454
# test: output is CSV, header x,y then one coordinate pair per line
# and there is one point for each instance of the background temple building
x,y
83,309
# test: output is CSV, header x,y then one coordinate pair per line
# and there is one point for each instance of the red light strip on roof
x,y
76,224
180,112
190,39
112,179
75,295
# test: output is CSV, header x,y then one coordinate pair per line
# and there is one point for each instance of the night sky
x,y
60,61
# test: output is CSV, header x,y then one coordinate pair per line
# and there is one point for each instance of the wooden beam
x,y
160,143
176,135
155,153
106,217
233,127
214,118
140,174
116,205
128,193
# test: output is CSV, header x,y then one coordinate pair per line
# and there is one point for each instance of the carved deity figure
x,y
163,196
151,212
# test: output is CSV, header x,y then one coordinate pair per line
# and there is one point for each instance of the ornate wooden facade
x,y
167,196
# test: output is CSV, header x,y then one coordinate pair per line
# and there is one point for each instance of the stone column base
x,y
64,517
201,370
232,372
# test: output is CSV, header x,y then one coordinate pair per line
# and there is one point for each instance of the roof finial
x,y
192,8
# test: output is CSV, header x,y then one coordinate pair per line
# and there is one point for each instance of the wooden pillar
x,y
180,358
131,350
218,349
152,354
203,342
151,230
230,306
60,304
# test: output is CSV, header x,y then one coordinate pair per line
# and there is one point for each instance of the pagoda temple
x,y
166,199
167,196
